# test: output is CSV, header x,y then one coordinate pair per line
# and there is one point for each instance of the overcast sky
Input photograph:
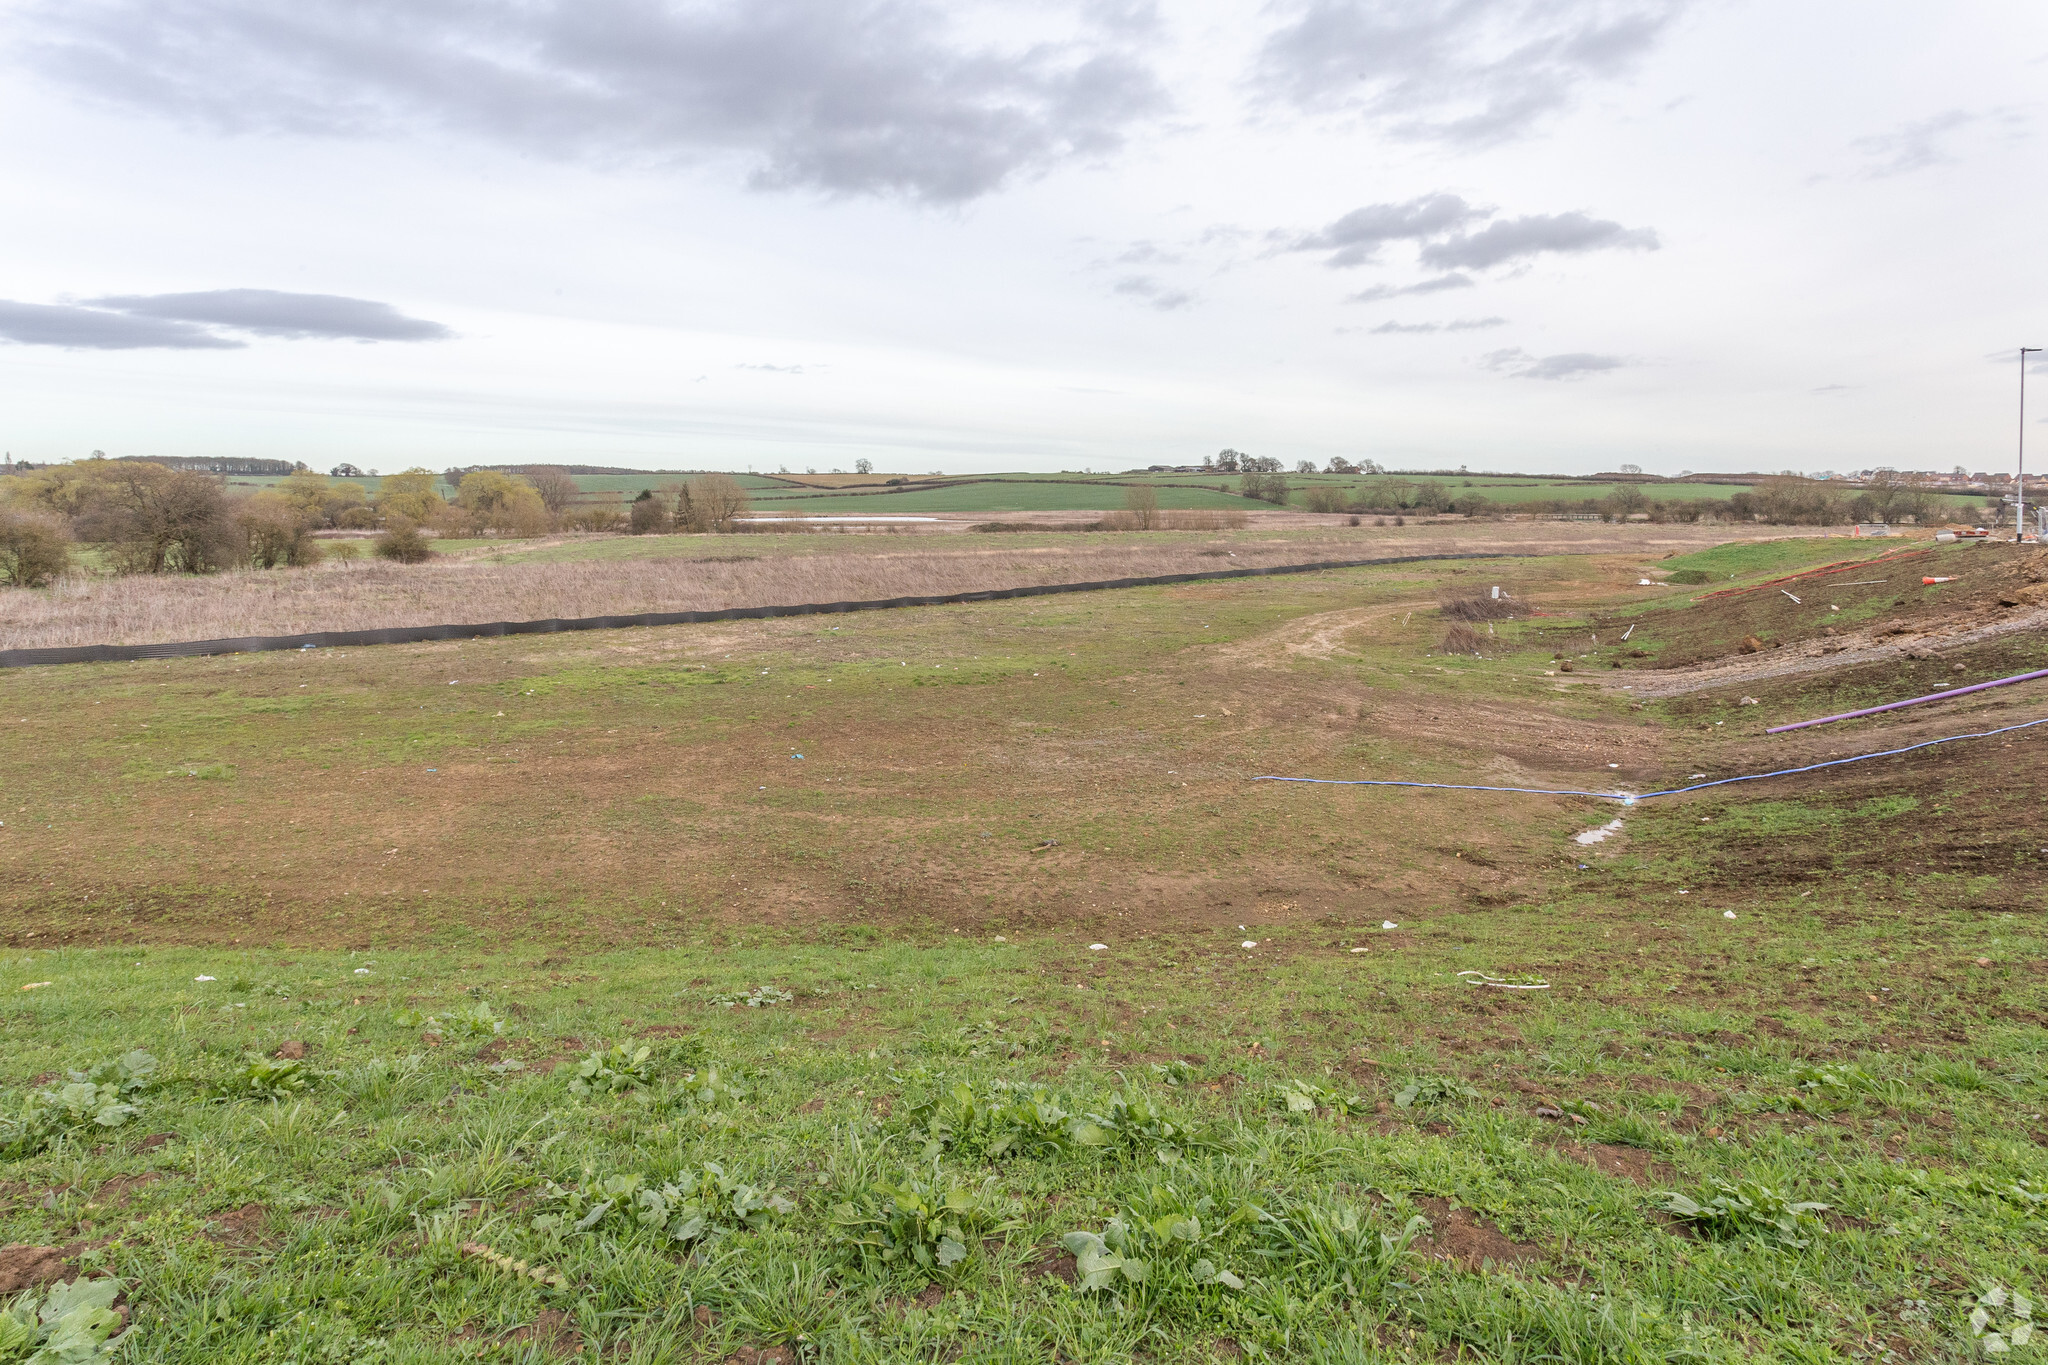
x,y
1505,234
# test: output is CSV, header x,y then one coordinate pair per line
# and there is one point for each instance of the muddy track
x,y
1815,656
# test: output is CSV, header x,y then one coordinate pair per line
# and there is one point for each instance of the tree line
x,y
146,517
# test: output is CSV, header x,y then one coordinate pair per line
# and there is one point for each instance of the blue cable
x,y
1629,799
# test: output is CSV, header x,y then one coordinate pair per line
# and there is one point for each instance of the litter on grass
x,y
1097,947
1505,983
1361,950
1727,914
37,985
1249,943
1388,924
202,978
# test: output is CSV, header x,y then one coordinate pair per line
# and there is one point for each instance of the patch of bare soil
x,y
1051,1261
550,1331
240,1227
1627,1163
1765,634
762,1355
1469,1241
24,1267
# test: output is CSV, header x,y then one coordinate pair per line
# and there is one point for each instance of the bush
x,y
158,520
709,502
599,518
278,531
34,550
648,514
403,542
1689,577
1327,499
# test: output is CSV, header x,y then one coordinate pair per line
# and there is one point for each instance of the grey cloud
x,y
1923,143
272,312
1513,238
1463,71
1430,286
1160,296
843,96
42,324
1460,325
773,369
1519,364
1356,238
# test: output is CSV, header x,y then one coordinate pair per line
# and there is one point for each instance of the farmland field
x,y
992,1012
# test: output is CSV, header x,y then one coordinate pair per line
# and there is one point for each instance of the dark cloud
x,y
844,96
1514,238
1391,291
1519,364
273,313
1160,296
1463,71
42,324
1355,239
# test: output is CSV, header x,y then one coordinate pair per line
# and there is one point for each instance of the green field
x,y
1776,1095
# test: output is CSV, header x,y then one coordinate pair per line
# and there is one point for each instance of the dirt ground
x,y
1079,762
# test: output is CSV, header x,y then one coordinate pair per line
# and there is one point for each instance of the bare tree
x,y
1142,502
556,486
710,502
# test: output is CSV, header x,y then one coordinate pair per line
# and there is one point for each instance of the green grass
x,y
1769,558
419,1129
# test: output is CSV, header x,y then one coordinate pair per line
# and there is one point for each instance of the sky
x,y
1534,235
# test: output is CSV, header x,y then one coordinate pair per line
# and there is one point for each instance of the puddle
x,y
1594,836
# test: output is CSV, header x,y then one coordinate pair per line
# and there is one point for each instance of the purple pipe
x,y
1893,706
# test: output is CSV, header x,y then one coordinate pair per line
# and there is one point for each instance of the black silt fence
x,y
402,635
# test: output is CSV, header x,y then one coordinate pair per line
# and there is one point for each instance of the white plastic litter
x,y
1388,924
1727,914
1361,950
1594,836
1097,947
360,971
1482,979
1249,943
202,978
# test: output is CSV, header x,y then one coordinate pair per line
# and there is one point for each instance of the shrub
x,y
648,514
403,542
709,502
158,520
34,550
278,531
1327,499
602,517
1141,504
1688,577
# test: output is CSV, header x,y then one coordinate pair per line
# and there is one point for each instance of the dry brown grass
x,y
146,610
702,575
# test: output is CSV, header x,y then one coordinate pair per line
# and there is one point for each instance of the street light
x,y
2019,525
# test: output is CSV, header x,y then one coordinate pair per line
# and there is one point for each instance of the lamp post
x,y
2019,526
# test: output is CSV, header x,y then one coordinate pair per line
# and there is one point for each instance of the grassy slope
x,y
1837,1041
